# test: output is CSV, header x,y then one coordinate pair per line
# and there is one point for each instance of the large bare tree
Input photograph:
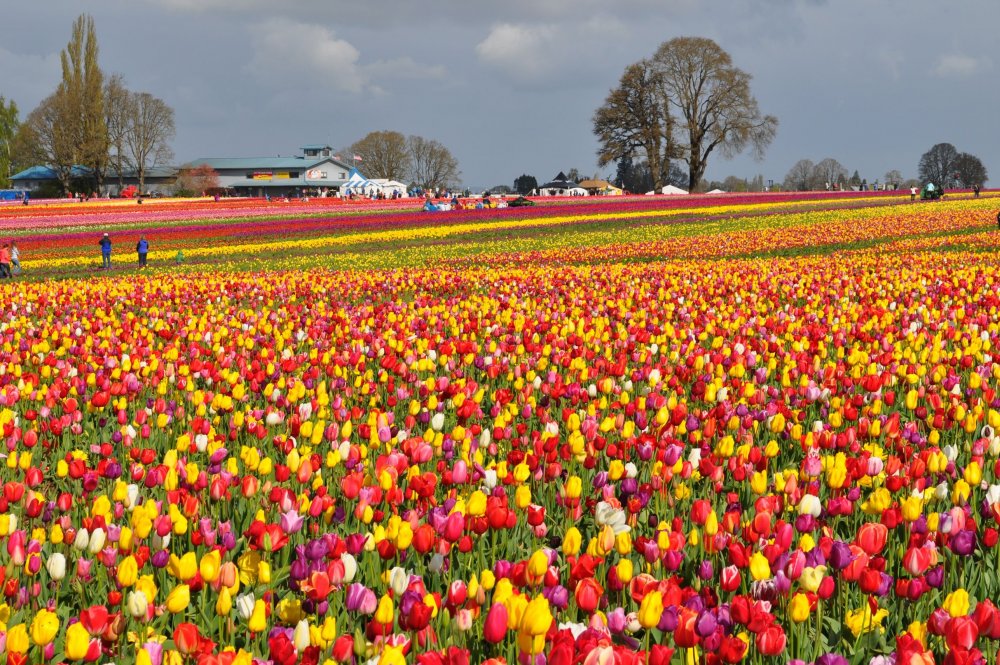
x,y
433,165
829,172
383,154
712,98
635,121
117,99
800,177
150,128
46,138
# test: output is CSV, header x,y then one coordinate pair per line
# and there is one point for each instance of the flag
x,y
336,157
357,158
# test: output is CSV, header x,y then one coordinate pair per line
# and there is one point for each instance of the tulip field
x,y
758,429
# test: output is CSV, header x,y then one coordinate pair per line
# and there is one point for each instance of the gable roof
x,y
560,182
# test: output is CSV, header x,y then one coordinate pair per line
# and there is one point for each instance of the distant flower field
x,y
760,429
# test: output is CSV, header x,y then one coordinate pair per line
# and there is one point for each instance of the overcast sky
x,y
510,86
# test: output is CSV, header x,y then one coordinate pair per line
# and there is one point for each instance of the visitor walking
x,y
975,191
142,248
913,194
15,258
105,244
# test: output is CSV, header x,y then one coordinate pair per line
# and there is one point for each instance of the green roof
x,y
218,163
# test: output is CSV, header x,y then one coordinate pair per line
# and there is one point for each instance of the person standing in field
x,y
5,261
105,244
15,258
142,248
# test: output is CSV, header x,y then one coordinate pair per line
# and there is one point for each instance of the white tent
x,y
717,191
670,189
358,184
389,187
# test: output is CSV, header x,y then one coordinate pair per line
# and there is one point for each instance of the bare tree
x,y
433,165
893,178
116,113
937,165
800,176
635,121
49,140
828,173
150,127
713,101
383,154
969,170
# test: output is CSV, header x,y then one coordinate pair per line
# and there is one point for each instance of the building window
x,y
249,175
343,176
293,174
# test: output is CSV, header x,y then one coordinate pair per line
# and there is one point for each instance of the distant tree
x,y
800,176
855,180
384,154
82,103
677,176
937,165
893,179
715,107
757,183
733,184
116,115
525,184
635,122
573,175
640,179
969,171
46,139
432,164
828,173
9,125
149,130
501,189
196,180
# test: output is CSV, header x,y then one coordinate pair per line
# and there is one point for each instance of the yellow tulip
x,y
77,642
798,608
651,609
537,617
44,627
178,599
258,619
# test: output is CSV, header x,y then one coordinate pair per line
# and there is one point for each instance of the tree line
x,y
942,165
90,126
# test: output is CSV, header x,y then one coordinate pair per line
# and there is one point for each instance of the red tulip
x,y
94,619
495,626
871,537
771,641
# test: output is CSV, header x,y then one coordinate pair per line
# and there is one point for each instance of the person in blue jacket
x,y
105,244
142,248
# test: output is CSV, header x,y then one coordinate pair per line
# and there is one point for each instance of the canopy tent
x,y
717,191
358,184
390,187
671,190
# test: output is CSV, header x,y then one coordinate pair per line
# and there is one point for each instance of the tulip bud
x,y
56,566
